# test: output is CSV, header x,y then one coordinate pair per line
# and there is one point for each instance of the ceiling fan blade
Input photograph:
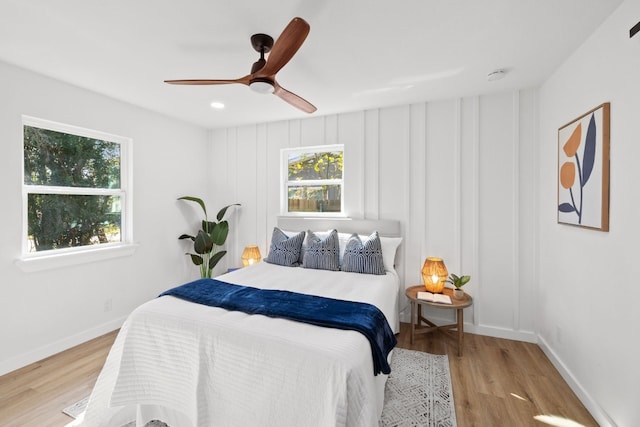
x,y
243,80
285,47
293,99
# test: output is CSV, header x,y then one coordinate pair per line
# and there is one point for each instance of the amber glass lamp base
x,y
434,288
434,275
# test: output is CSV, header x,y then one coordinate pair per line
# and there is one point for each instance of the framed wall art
x,y
583,170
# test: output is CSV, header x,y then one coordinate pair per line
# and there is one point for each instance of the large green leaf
x,y
220,232
197,259
224,210
208,226
203,243
216,258
197,200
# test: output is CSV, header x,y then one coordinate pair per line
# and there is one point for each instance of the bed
x,y
196,365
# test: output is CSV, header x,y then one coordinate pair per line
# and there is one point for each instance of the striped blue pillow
x,y
285,250
363,257
322,253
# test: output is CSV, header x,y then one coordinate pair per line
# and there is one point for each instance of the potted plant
x,y
458,282
209,238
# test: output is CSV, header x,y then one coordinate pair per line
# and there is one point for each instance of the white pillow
x,y
389,248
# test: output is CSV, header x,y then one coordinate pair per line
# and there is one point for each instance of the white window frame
x,y
35,261
284,180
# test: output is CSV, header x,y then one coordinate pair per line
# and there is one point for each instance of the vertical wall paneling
x,y
457,187
407,199
526,207
246,190
295,134
442,186
235,215
261,190
515,190
467,186
423,182
350,132
277,138
218,173
475,136
232,158
361,194
497,210
372,160
440,181
535,245
312,131
392,167
331,130
414,241
456,174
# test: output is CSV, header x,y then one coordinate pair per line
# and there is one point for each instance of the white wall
x,y
458,174
45,312
587,303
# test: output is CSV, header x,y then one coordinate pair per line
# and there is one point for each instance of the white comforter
x,y
191,365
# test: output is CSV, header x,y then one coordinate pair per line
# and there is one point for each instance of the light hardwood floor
x,y
496,383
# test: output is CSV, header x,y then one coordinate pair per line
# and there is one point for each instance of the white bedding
x,y
194,365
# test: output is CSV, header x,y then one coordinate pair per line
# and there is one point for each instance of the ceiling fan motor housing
x,y
262,42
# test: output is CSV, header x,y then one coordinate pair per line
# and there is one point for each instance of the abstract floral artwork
x,y
583,170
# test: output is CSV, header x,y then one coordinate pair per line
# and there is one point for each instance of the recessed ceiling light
x,y
217,105
496,75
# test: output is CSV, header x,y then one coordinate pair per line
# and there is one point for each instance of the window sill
x,y
30,264
336,215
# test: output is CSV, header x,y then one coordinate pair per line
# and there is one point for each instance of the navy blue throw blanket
x,y
328,312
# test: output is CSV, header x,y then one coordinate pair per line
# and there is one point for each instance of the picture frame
x,y
583,170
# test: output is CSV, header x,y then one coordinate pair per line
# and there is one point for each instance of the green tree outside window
x,y
314,181
73,184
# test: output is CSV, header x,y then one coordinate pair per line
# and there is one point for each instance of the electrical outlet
x,y
108,305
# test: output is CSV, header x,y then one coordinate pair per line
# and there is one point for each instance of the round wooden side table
x,y
417,318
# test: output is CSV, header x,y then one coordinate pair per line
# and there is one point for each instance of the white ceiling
x,y
359,54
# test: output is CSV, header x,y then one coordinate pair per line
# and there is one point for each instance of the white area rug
x,y
75,410
418,393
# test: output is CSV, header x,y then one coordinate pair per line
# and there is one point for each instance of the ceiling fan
x,y
262,78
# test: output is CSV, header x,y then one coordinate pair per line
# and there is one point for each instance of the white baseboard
x,y
509,334
592,406
490,331
45,351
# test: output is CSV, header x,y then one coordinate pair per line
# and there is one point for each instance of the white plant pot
x,y
458,293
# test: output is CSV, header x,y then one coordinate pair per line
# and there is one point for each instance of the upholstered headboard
x,y
385,227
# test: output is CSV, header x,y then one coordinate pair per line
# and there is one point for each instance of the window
x,y
75,188
313,180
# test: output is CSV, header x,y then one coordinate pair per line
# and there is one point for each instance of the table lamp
x,y
250,255
434,274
